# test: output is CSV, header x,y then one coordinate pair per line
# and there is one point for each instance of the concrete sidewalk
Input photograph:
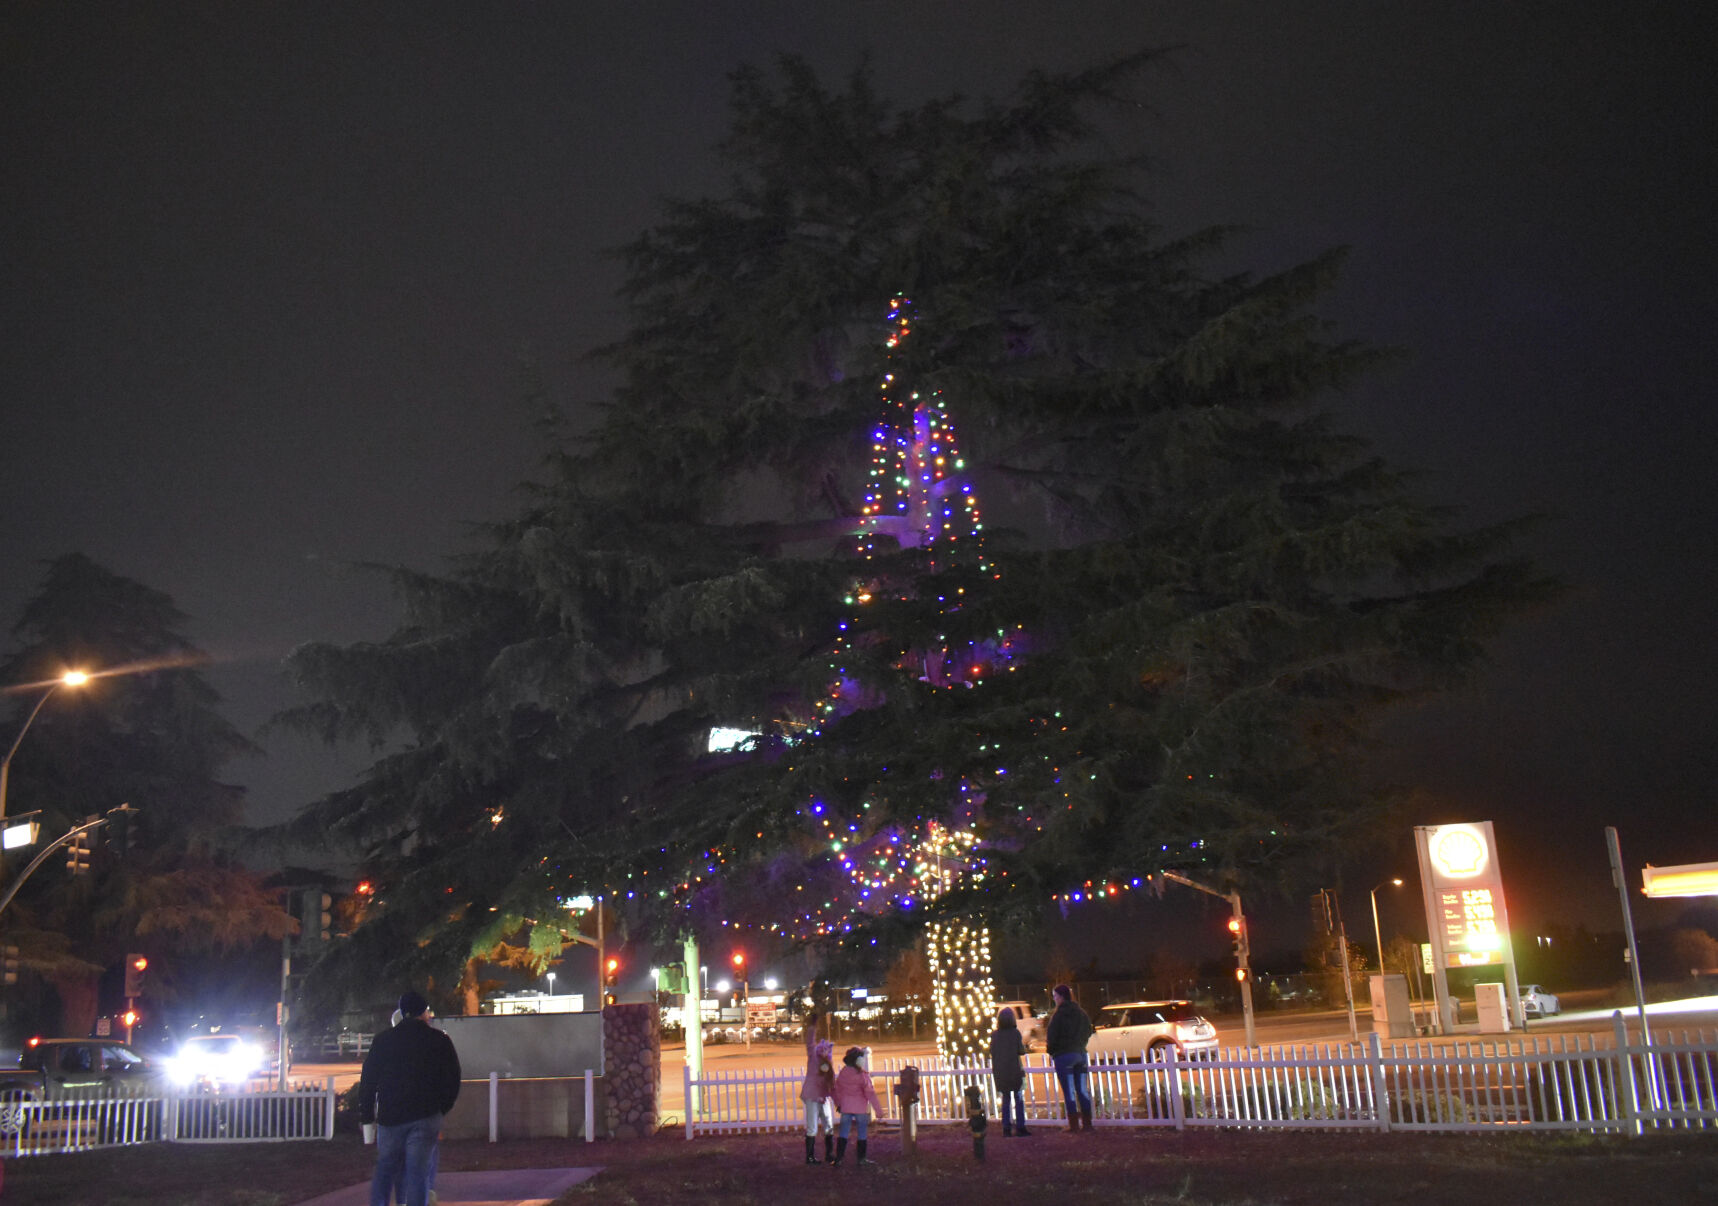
x,y
492,1187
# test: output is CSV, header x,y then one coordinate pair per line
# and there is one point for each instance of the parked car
x,y
1030,1021
1537,1003
1156,1028
68,1067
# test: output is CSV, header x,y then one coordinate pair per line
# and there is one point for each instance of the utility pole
x,y
1243,948
1334,925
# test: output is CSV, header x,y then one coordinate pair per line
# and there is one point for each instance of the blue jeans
x,y
405,1160
1071,1075
1016,1099
864,1120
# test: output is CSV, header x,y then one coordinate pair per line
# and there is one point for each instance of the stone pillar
x,y
632,1053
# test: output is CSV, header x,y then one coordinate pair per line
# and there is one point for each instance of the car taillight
x,y
36,1040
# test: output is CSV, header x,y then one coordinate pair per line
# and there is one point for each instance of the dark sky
x,y
269,268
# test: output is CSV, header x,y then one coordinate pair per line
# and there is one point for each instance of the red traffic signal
x,y
739,960
1234,925
130,1018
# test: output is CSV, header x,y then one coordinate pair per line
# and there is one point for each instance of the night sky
x,y
270,271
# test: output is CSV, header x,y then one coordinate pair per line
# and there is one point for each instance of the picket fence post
x,y
1380,1093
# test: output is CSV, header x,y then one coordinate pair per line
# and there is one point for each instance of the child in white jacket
x,y
816,1092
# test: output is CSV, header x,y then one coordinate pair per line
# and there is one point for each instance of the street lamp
x,y
1377,934
551,984
71,678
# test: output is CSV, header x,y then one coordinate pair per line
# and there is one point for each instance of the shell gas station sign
x,y
1467,917
1470,922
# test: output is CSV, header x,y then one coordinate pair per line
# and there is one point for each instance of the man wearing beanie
x,y
410,1079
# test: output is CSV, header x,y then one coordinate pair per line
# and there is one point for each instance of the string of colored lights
x,y
918,493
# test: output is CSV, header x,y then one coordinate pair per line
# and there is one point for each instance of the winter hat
x,y
412,1003
825,1050
853,1056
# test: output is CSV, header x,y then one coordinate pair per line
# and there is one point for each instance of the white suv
x,y
1030,1021
1153,1027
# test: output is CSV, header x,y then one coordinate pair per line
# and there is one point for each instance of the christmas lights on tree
x,y
919,495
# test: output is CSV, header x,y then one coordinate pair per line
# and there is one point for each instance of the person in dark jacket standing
x,y
1065,1039
1007,1051
410,1079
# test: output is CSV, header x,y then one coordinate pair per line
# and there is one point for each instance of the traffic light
x,y
119,833
77,854
1238,933
130,1018
610,978
8,964
135,966
739,963
315,915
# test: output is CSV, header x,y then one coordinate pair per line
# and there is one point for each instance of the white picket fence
x,y
77,1124
1556,1082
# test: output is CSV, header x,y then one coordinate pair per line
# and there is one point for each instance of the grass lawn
x,y
1136,1167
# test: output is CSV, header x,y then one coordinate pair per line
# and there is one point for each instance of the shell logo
x,y
1459,851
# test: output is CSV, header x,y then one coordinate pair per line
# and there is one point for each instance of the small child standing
x,y
855,1098
817,1092
976,1122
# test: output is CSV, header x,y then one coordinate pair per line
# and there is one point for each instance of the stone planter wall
x,y
632,1054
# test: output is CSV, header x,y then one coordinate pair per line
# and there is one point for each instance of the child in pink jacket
x,y
855,1098
816,1092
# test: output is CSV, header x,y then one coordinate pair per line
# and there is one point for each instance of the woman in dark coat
x,y
1007,1048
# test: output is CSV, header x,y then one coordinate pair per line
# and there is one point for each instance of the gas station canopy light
x,y
1690,879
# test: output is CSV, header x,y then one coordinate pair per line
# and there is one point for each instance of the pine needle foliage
x,y
1220,593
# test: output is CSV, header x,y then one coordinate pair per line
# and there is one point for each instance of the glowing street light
x,y
551,983
71,678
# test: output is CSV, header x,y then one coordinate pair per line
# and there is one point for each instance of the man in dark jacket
x,y
1065,1039
410,1079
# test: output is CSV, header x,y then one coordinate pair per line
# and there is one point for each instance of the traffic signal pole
x,y
1243,950
74,833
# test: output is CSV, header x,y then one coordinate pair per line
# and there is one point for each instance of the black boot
x,y
861,1159
828,1148
810,1149
840,1150
1007,1130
